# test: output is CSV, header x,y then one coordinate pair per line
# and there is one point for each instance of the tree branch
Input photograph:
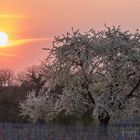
x,y
130,95
136,96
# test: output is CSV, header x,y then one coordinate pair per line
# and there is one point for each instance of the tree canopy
x,y
98,72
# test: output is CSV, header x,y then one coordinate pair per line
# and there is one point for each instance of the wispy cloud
x,y
25,41
12,16
8,55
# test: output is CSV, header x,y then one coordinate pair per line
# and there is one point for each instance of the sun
x,y
3,39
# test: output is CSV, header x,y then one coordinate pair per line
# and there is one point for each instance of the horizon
x,y
31,25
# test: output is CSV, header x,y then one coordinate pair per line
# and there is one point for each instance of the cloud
x,y
8,55
7,16
26,41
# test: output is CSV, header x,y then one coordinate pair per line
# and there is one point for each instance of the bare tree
x,y
34,78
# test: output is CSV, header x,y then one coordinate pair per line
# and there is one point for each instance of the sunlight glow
x,y
3,39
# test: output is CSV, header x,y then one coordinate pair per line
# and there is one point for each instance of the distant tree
x,y
7,77
81,62
34,78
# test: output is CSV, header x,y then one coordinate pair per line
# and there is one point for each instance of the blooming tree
x,y
41,107
7,77
122,71
81,62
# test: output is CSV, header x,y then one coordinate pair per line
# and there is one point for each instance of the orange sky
x,y
31,24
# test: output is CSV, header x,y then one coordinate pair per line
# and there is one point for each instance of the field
x,y
118,130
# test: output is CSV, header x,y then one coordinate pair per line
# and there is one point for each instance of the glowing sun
x,y
3,39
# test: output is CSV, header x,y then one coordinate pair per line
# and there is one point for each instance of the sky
x,y
31,24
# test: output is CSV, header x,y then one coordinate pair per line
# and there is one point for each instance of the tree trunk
x,y
104,119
